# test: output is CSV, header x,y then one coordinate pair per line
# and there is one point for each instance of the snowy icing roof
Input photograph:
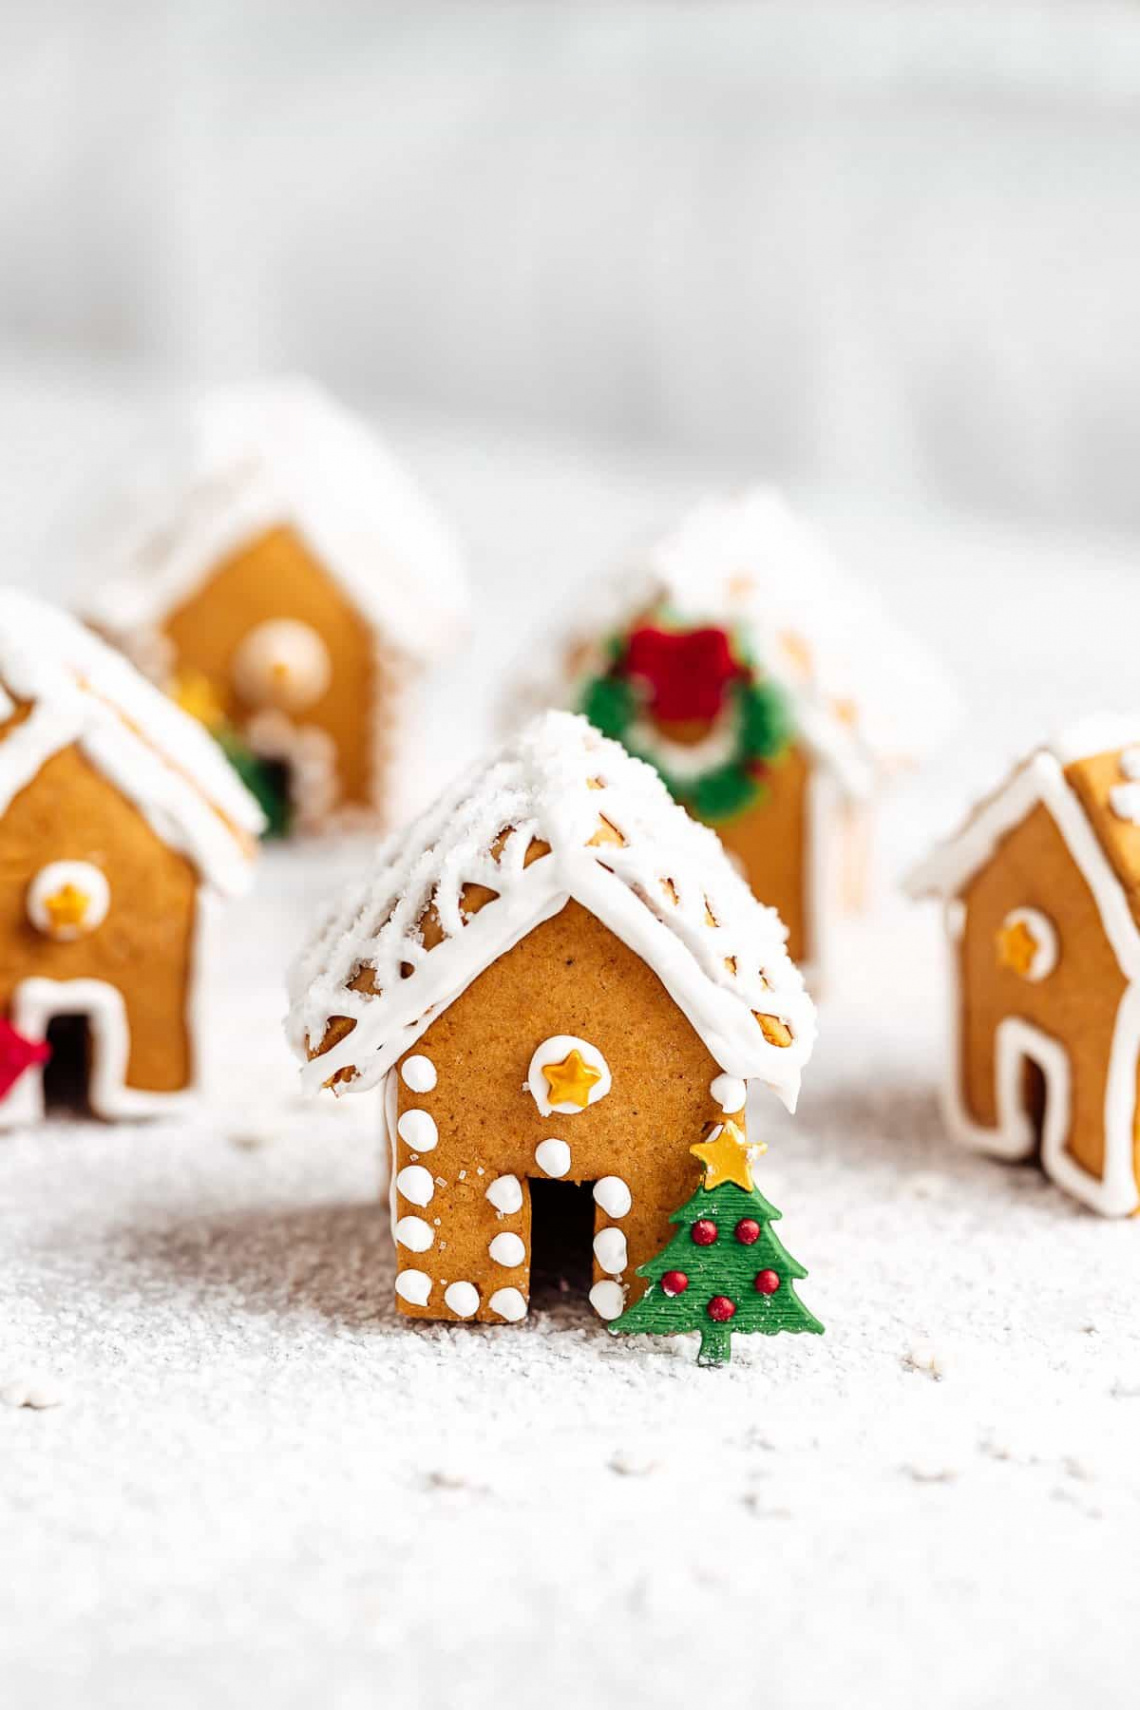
x,y
865,695
245,459
78,690
1088,776
559,812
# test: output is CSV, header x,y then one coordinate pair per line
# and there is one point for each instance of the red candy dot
x,y
748,1230
767,1282
704,1231
674,1282
720,1309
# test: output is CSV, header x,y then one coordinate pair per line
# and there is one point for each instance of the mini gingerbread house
x,y
120,822
1041,890
271,564
562,983
774,698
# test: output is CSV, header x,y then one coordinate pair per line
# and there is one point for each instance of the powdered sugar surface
x,y
659,880
82,691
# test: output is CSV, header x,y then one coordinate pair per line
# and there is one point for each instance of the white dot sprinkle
x,y
730,1093
610,1251
418,1074
1124,800
462,1298
416,1184
418,1130
414,1287
415,1234
1130,764
507,1249
552,1157
613,1195
509,1304
505,1194
607,1299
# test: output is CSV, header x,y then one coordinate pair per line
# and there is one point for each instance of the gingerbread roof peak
x,y
866,696
76,689
244,459
559,812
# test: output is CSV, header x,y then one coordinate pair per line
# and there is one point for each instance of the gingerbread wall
x,y
144,946
772,840
1075,1004
276,576
569,976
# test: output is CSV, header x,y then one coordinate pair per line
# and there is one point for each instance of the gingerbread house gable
x,y
559,814
61,686
244,461
1085,785
865,697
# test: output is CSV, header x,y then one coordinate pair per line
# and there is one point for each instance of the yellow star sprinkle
x,y
67,908
570,1081
725,1157
197,695
1016,947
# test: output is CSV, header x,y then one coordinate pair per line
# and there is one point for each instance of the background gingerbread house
x,y
563,985
120,821
774,696
1041,889
270,562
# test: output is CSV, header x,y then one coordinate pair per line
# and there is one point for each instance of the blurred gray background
x,y
873,247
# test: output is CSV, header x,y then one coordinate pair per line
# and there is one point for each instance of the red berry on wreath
x,y
767,1282
748,1230
720,1309
704,1232
674,1282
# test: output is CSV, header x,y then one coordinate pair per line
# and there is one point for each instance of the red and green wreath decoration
x,y
660,675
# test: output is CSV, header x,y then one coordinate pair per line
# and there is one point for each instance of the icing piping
x,y
418,1074
555,1050
613,1195
507,1250
552,1157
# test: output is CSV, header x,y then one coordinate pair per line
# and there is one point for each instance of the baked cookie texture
x,y
268,562
557,976
1040,890
776,698
120,823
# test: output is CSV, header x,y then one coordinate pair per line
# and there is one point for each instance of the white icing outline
x,y
36,1001
515,1299
410,1185
466,1310
554,1140
507,1240
418,1130
410,1233
1041,780
555,1050
1044,935
505,1181
540,785
418,1074
609,1243
85,877
605,1190
418,1281
605,1291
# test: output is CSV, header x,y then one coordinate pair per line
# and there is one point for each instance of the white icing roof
x,y
82,691
655,890
865,695
244,459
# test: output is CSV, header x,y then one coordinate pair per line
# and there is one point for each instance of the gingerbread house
x,y
561,983
774,697
120,822
269,562
1041,892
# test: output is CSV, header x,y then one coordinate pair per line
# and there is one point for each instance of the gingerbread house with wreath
x,y
774,697
120,823
562,984
1041,893
268,562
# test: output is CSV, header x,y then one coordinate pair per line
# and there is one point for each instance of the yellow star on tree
x,y
571,1080
725,1155
198,696
1016,947
67,908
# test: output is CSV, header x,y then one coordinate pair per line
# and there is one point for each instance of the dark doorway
x,y
561,1240
67,1072
1033,1096
276,795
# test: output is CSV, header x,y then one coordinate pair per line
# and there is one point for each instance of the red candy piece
x,y
748,1230
674,1282
720,1309
704,1232
687,672
18,1054
767,1282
